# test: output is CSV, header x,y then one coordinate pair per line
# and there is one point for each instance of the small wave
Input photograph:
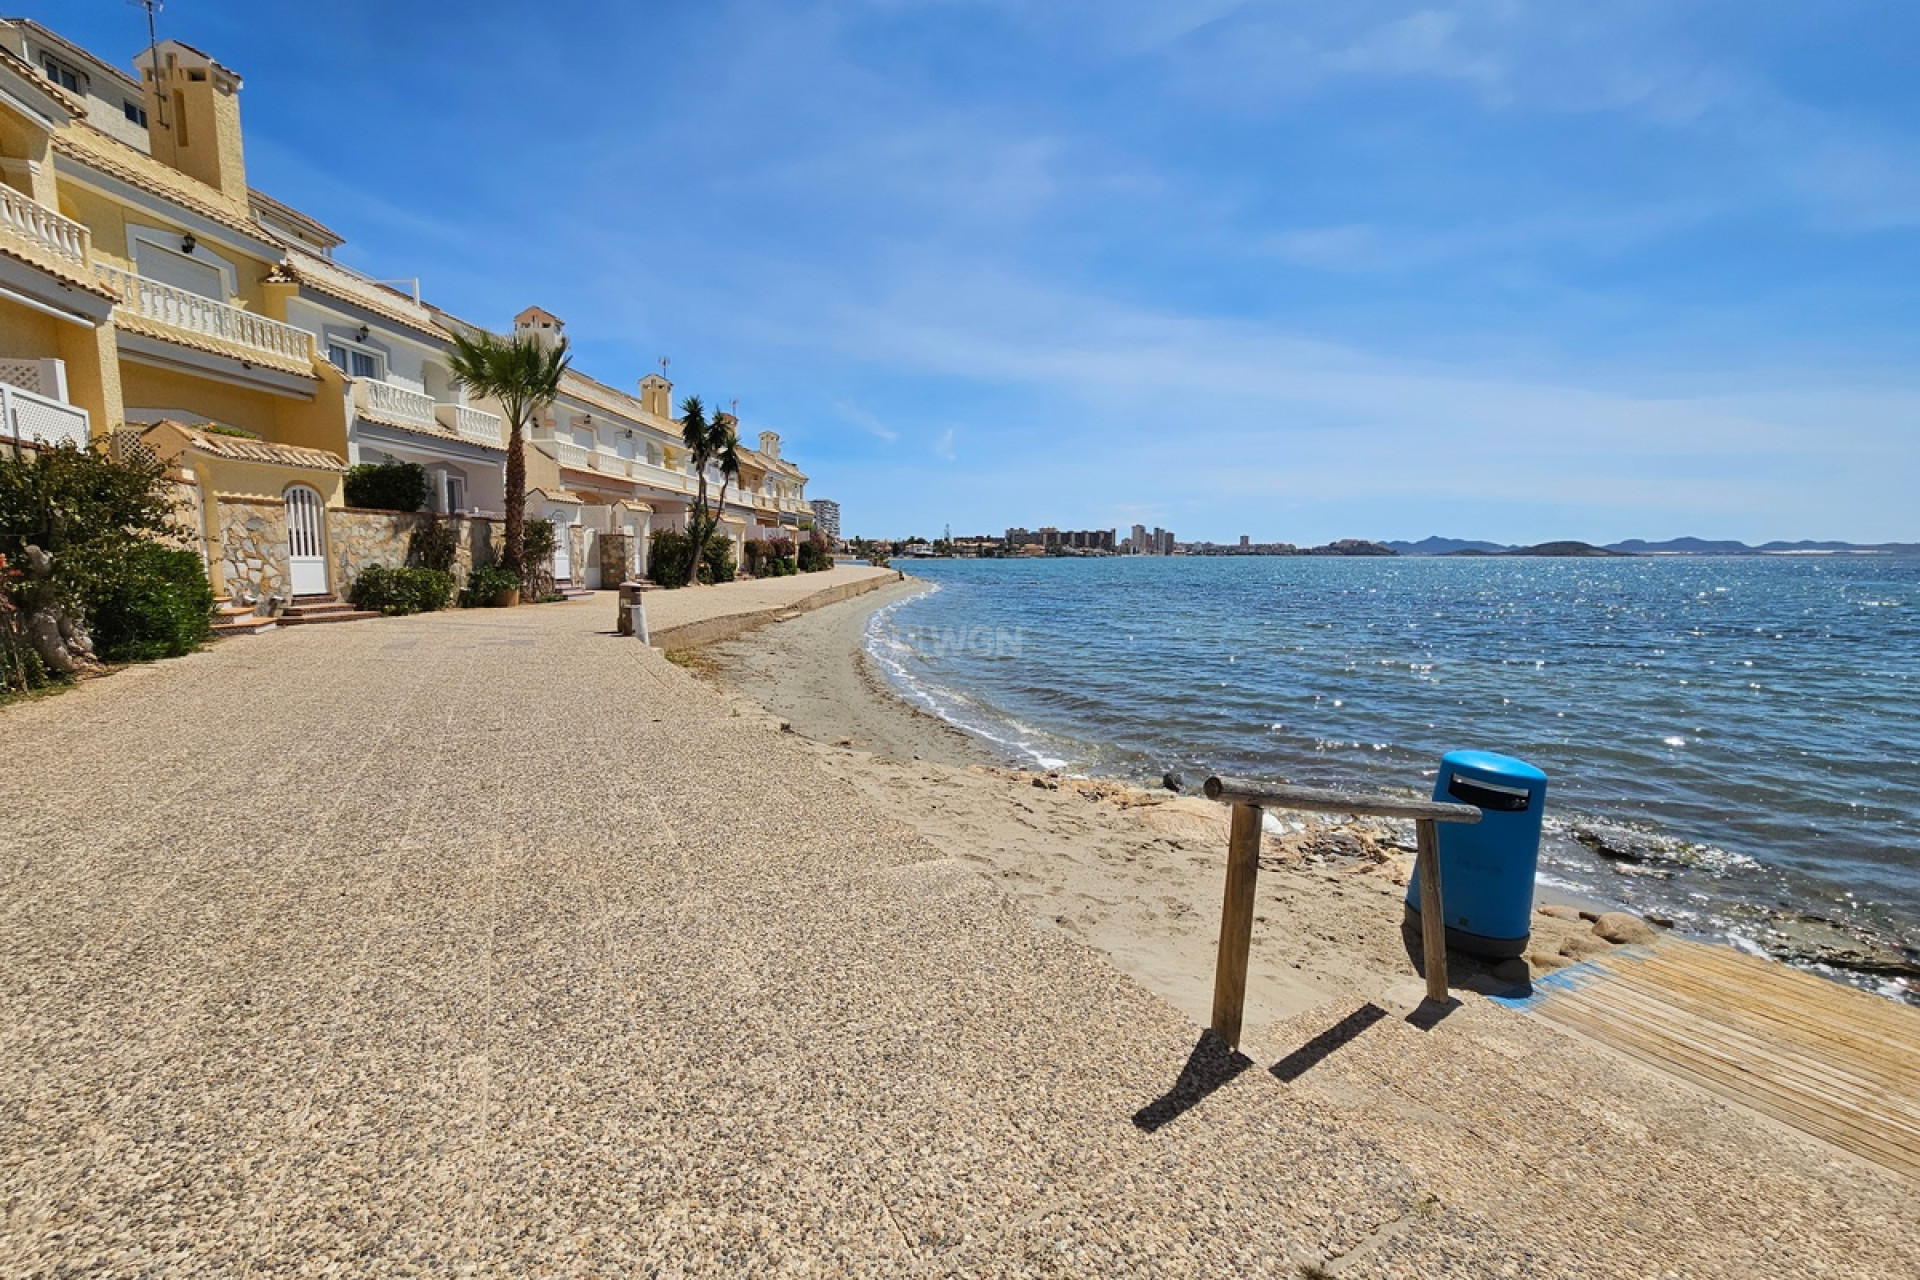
x,y
893,655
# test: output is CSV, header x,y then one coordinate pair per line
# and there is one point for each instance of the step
x,y
249,625
314,617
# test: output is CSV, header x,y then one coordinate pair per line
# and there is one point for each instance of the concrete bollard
x,y
633,613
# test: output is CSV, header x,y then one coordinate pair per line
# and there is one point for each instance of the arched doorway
x,y
306,541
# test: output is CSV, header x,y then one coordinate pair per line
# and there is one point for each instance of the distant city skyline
x,y
1473,269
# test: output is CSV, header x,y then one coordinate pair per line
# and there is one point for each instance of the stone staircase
x,y
230,619
306,611
569,591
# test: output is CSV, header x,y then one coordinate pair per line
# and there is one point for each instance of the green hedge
x,y
668,555
157,604
814,556
401,591
717,564
387,486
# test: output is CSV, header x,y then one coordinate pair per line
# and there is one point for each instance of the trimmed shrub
x,y
434,545
485,584
397,591
540,542
669,556
387,486
756,558
814,555
717,564
157,605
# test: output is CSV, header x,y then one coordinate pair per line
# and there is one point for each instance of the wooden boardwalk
x,y
1828,1060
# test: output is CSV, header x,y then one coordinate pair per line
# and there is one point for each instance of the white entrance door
x,y
562,547
306,542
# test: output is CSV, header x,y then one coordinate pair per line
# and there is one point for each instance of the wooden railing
x,y
42,227
1249,801
181,309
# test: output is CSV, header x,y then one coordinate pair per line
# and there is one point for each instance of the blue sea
x,y
1759,714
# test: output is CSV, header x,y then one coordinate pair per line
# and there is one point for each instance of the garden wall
x,y
358,539
252,551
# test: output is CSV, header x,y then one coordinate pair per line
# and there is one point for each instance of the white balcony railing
x,y
476,425
193,313
30,418
42,227
660,477
572,455
394,403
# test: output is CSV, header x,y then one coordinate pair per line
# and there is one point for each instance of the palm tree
x,y
711,442
523,376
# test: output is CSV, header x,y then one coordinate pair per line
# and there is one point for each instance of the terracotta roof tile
x,y
243,449
329,278
92,147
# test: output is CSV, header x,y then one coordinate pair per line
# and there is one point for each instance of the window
x,y
196,274
135,112
68,78
453,493
355,362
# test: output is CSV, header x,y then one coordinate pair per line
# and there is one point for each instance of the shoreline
x,y
1133,873
818,678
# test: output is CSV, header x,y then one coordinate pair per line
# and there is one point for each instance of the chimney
x,y
656,395
542,326
770,444
193,116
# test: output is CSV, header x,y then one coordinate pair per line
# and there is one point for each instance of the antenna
x,y
153,50
735,402
664,362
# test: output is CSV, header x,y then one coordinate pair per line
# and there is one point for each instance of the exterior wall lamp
x,y
360,335
188,243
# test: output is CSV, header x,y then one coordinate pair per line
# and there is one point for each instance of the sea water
x,y
1761,715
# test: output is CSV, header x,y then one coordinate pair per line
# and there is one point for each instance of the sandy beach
x,y
1134,873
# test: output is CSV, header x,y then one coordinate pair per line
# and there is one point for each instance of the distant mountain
x,y
1709,547
1350,547
1579,550
1437,546
1680,547
1842,548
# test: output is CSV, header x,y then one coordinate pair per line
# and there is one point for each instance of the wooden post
x,y
1433,920
1236,924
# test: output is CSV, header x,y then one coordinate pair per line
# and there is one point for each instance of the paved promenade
x,y
487,943
701,615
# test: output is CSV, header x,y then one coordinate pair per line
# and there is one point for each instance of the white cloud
x,y
865,421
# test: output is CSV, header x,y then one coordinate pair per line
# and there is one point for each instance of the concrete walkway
x,y
691,616
486,943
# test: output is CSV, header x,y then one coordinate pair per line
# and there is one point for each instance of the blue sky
x,y
1298,270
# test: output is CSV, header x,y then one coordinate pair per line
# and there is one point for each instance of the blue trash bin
x,y
1487,868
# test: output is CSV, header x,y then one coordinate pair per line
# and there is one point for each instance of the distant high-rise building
x,y
826,518
1244,540
1140,540
1163,542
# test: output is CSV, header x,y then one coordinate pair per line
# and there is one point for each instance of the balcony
x,y
33,408
476,425
45,233
391,403
200,321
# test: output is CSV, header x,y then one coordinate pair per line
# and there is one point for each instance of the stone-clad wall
x,y
577,551
358,539
253,547
619,559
